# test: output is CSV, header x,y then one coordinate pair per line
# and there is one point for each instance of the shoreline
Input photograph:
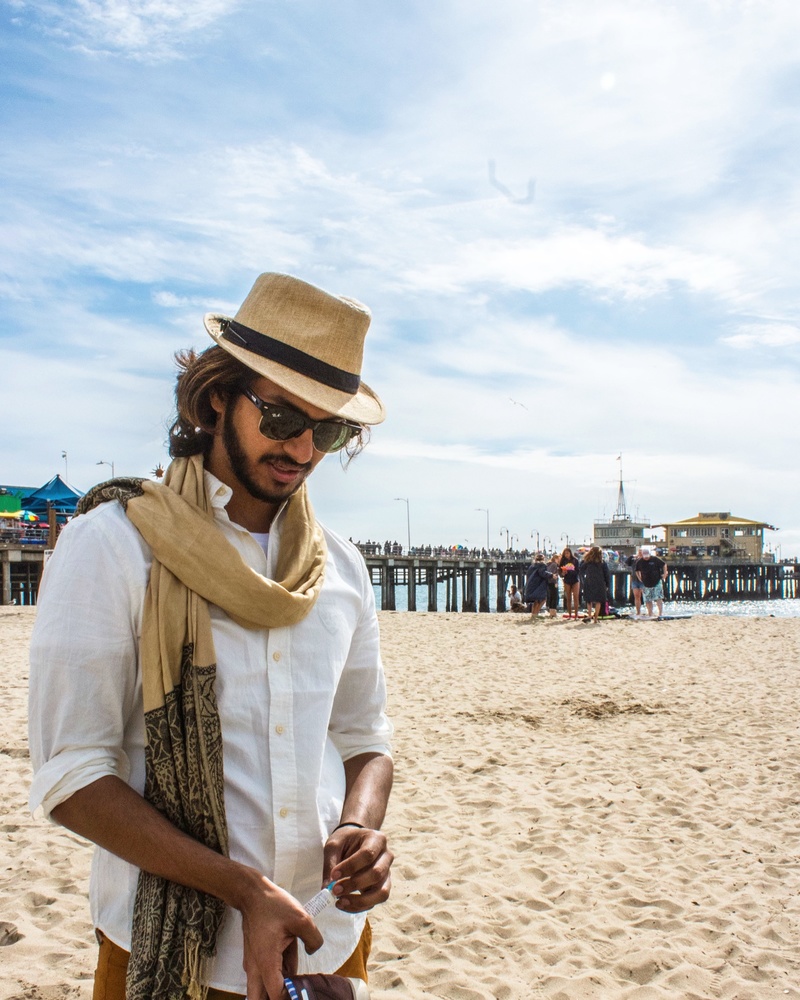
x,y
579,812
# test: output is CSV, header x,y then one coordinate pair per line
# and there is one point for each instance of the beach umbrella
x,y
28,515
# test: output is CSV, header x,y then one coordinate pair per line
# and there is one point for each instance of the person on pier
x,y
569,568
212,618
652,572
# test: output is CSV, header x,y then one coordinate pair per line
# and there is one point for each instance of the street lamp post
x,y
486,512
111,464
535,531
66,467
508,543
408,521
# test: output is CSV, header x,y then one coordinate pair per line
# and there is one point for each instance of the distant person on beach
x,y
551,602
515,599
652,572
536,580
596,582
636,584
213,619
568,566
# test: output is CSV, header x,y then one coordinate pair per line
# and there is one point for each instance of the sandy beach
x,y
580,811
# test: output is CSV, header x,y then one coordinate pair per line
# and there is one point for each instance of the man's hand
x,y
360,862
107,810
272,920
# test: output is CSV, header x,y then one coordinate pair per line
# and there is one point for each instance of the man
x,y
636,584
515,599
212,620
651,572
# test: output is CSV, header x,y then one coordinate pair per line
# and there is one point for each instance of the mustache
x,y
284,464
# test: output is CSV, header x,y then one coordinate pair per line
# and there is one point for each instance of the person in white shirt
x,y
515,599
212,621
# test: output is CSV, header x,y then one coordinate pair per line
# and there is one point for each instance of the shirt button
x,y
284,812
279,729
276,655
220,491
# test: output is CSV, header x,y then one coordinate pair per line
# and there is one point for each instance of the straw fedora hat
x,y
306,341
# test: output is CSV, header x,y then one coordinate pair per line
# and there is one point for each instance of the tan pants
x,y
112,965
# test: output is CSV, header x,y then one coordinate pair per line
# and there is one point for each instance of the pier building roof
x,y
716,518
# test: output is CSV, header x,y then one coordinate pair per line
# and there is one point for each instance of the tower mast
x,y
622,510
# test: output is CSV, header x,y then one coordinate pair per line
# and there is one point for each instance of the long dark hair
x,y
213,370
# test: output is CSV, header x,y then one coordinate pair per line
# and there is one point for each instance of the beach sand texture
x,y
580,811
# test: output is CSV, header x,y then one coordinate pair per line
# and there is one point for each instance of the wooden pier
x,y
20,572
466,581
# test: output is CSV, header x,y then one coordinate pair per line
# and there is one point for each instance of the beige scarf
x,y
174,927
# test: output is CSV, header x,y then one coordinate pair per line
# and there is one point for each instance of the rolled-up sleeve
x,y
84,683
359,723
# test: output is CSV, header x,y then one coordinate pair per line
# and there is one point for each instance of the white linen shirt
x,y
294,703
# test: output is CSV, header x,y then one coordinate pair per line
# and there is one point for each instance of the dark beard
x,y
241,468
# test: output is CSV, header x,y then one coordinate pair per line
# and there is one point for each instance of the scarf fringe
x,y
195,973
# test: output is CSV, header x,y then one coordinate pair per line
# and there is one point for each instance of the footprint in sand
x,y
9,933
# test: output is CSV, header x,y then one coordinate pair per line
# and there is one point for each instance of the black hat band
x,y
289,357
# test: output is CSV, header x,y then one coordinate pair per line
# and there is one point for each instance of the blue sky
x,y
576,225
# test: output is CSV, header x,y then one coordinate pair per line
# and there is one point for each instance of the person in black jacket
x,y
536,580
596,581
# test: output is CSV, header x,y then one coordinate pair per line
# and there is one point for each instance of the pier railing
x,y
465,581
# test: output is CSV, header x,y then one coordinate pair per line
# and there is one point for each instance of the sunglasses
x,y
280,422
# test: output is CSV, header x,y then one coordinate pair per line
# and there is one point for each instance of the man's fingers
x,y
359,870
331,856
255,981
255,989
367,888
372,846
309,934
366,898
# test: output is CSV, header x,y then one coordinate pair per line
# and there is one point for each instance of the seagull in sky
x,y
527,200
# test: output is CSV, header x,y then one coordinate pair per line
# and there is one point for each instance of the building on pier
x,y
716,535
621,532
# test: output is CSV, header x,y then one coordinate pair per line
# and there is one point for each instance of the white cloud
x,y
148,30
766,334
276,202
608,263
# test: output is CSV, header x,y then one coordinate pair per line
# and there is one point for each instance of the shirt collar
x,y
219,495
217,492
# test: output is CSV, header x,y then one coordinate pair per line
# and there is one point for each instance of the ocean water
x,y
786,608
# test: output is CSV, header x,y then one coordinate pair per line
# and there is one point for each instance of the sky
x,y
575,224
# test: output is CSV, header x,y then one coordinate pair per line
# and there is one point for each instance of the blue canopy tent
x,y
56,494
